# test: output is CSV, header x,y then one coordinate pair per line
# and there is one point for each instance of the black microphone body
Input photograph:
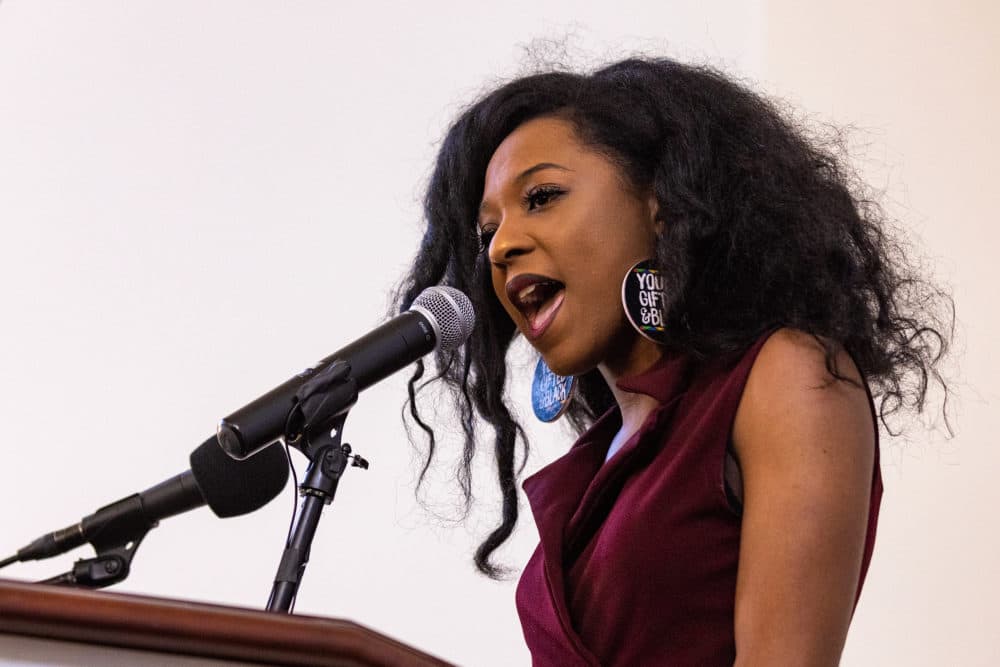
x,y
228,487
121,521
373,357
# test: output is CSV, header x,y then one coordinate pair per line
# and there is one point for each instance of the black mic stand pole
x,y
328,460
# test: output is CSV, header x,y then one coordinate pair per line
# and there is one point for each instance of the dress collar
x,y
661,381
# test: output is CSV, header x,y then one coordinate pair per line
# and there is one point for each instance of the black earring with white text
x,y
645,301
551,394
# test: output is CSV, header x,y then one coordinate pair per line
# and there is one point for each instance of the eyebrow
x,y
528,172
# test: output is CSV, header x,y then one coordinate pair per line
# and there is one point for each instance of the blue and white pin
x,y
551,394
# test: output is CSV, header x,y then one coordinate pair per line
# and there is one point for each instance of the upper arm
x,y
806,450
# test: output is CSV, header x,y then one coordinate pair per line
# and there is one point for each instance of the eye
x,y
486,234
542,195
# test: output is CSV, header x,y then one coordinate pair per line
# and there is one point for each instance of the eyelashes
x,y
541,196
532,200
486,235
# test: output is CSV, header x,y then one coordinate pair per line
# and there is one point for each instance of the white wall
x,y
178,181
921,81
197,199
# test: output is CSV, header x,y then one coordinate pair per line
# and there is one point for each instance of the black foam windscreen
x,y
232,487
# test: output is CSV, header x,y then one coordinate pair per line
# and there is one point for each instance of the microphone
x,y
229,487
440,317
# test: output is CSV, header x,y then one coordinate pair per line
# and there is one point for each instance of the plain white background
x,y
198,199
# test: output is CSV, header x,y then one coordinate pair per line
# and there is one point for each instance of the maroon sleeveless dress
x,y
638,556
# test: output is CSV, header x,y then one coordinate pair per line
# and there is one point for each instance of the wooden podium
x,y
172,627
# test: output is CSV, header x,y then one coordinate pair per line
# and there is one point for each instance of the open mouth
x,y
538,298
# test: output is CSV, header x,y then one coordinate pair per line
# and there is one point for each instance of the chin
x,y
563,370
568,363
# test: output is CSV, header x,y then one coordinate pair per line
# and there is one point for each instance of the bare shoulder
x,y
790,392
791,354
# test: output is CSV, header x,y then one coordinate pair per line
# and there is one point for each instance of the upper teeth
x,y
526,295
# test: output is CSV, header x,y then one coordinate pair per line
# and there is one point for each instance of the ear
x,y
654,213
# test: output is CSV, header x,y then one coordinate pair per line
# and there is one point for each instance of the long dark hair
x,y
765,226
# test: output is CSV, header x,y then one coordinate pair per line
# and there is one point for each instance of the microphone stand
x,y
328,460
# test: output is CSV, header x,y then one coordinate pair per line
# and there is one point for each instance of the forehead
x,y
537,140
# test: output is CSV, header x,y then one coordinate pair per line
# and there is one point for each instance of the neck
x,y
634,407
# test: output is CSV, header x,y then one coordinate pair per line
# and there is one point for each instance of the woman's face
x,y
567,229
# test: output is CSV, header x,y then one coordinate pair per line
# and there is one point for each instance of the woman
x,y
719,298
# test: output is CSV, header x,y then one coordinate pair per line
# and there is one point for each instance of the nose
x,y
511,239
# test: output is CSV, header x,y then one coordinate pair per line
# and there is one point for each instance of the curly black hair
x,y
765,226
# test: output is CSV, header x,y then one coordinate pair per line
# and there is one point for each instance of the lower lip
x,y
535,332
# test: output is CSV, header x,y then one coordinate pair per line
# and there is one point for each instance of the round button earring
x,y
645,301
551,394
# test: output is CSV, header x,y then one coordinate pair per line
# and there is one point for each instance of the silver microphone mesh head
x,y
451,313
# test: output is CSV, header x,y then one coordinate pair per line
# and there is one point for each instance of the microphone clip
x,y
110,566
319,403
